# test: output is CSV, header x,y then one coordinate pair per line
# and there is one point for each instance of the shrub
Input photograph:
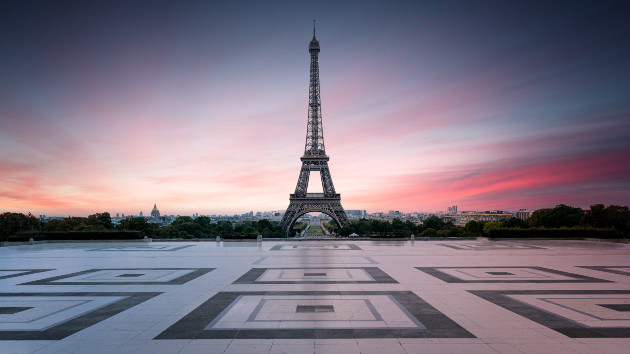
x,y
239,237
429,233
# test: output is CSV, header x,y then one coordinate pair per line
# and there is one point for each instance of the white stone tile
x,y
248,348
349,348
292,349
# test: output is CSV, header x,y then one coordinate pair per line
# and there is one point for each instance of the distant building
x,y
523,214
141,214
394,213
155,213
452,210
356,213
494,215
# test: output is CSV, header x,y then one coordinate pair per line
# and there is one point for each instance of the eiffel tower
x,y
314,159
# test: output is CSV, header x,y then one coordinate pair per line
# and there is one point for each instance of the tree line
x,y
562,216
182,227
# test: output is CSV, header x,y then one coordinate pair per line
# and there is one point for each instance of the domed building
x,y
155,213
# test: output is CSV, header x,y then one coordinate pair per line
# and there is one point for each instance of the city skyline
x,y
201,107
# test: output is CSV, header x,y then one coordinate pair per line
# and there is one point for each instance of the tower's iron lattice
x,y
314,159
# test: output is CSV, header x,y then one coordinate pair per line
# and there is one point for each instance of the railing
x,y
316,195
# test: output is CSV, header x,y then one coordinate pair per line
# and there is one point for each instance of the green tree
x,y
560,216
448,225
429,232
456,231
413,228
397,224
168,231
13,223
224,227
399,228
191,228
204,222
249,230
181,220
346,231
363,227
185,235
99,221
433,222
613,216
138,224
74,223
263,224
330,226
514,223
489,226
51,225
474,228
381,226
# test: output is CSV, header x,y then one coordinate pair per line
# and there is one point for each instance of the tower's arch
x,y
302,213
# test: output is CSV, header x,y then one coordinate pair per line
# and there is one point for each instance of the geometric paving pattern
x,y
314,260
615,270
325,314
368,301
323,275
506,275
489,246
311,247
142,248
126,276
574,313
52,316
10,273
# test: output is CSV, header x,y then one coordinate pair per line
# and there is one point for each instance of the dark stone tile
x,y
617,307
314,308
376,273
577,278
609,269
197,272
302,333
256,334
22,272
437,324
326,333
80,322
553,321
12,310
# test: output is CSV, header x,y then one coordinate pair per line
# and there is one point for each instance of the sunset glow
x,y
201,107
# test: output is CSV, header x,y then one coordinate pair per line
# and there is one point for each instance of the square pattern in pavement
x,y
314,296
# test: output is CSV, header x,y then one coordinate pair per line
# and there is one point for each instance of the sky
x,y
201,106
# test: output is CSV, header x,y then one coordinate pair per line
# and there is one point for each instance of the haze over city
x,y
202,106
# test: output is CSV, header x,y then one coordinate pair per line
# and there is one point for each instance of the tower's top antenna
x,y
313,47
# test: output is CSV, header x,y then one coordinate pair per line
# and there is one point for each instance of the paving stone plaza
x,y
343,296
